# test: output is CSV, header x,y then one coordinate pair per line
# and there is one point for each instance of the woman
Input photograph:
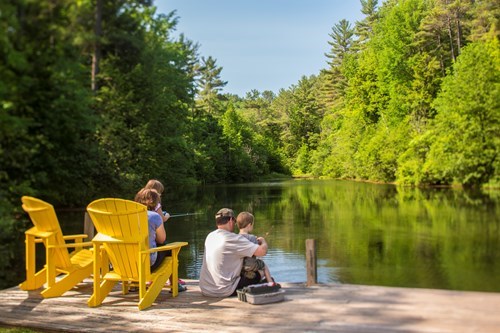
x,y
157,235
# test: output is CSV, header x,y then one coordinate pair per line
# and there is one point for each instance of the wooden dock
x,y
320,308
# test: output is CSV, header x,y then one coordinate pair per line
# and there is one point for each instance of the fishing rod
x,y
267,233
183,214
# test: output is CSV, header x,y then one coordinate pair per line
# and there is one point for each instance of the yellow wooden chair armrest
x,y
37,233
70,237
41,235
70,245
166,247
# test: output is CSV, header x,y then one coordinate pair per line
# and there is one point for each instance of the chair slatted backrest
x,y
126,224
44,219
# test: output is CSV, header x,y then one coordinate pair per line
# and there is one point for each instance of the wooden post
x,y
88,227
312,271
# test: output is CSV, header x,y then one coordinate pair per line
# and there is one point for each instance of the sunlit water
x,y
365,233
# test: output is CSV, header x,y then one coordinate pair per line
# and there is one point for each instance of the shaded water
x,y
365,233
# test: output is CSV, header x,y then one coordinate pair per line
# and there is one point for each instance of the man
x,y
220,274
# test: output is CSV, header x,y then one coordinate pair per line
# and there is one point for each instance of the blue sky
x,y
262,44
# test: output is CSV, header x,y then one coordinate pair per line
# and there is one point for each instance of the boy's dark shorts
x,y
246,282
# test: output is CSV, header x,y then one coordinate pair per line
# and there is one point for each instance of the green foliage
x,y
143,104
44,103
391,124
301,112
389,106
209,85
466,140
239,147
60,142
485,22
378,153
333,80
364,28
13,227
462,144
208,149
238,143
410,162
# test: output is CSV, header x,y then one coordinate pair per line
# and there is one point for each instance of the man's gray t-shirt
x,y
222,262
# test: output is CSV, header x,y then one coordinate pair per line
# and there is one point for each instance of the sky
x,y
262,44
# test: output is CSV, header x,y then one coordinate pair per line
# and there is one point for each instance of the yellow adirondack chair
x,y
122,238
74,266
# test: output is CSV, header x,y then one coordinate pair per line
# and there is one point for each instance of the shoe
x,y
180,288
180,282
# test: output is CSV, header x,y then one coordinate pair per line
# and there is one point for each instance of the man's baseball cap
x,y
224,212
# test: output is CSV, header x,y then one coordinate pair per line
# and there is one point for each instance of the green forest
x,y
97,97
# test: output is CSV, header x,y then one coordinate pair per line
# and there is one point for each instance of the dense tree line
x,y
410,95
98,96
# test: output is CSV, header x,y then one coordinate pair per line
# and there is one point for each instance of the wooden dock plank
x,y
320,308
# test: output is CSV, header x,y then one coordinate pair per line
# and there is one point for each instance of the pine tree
x,y
364,28
210,85
334,79
485,20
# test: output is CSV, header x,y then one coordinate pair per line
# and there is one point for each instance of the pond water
x,y
365,233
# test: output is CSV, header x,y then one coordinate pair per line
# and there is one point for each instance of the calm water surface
x,y
365,233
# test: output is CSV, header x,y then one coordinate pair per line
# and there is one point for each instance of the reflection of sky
x,y
284,267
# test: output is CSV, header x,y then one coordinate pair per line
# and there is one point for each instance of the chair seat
x,y
82,258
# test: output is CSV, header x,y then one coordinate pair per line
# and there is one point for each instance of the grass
x,y
16,330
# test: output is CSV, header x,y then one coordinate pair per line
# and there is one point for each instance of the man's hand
x,y
262,249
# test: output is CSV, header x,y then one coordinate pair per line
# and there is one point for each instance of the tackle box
x,y
261,294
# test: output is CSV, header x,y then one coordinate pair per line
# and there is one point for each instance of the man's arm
x,y
262,249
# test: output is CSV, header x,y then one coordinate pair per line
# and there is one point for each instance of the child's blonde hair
x,y
244,219
156,185
148,197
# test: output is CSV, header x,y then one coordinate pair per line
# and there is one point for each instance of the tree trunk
x,y
96,55
450,35
441,60
459,31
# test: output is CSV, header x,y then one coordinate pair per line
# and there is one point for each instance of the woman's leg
x,y
159,259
